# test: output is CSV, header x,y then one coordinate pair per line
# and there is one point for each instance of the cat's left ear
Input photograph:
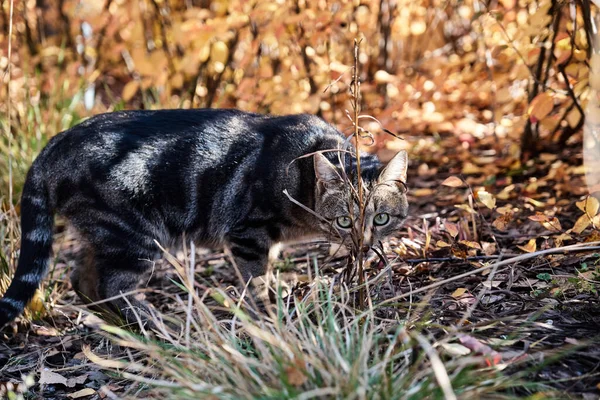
x,y
396,169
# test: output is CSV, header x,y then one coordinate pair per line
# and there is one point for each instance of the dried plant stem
x,y
11,208
359,234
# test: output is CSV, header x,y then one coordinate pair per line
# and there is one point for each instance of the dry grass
x,y
314,346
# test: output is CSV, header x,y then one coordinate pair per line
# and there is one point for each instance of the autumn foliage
x,y
511,69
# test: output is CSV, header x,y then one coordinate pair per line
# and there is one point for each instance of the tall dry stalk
x,y
12,215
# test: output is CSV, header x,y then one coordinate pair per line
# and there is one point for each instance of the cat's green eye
x,y
381,219
344,222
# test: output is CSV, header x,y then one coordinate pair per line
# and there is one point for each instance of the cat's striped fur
x,y
126,179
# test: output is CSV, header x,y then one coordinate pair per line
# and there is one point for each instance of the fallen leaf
x,y
451,228
81,393
502,221
459,292
77,380
465,207
442,244
48,377
489,248
530,247
582,223
589,205
471,244
487,199
453,181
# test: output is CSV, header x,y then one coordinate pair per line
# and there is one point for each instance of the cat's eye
x,y
381,219
344,222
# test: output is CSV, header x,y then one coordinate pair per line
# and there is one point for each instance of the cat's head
x,y
384,196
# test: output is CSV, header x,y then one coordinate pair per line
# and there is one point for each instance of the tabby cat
x,y
127,179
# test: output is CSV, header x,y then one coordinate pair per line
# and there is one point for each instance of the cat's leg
x,y
119,277
118,257
250,250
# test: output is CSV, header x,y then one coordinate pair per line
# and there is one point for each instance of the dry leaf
x,y
459,293
451,228
540,107
471,244
442,244
530,247
589,205
81,393
487,199
465,207
582,223
453,181
502,221
48,377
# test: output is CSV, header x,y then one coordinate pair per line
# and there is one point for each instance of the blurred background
x,y
510,74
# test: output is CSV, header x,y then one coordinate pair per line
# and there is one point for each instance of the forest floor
x,y
541,311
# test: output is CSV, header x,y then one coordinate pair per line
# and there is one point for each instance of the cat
x,y
126,180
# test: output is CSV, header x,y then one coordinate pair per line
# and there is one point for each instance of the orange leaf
x,y
502,221
540,107
471,244
453,181
538,217
530,247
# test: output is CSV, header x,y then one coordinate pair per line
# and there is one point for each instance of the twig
x,y
453,259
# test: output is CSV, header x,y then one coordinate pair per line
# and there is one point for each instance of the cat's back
x,y
212,132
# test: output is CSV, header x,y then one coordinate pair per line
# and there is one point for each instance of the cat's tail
x,y
37,222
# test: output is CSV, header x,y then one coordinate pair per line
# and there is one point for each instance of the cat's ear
x,y
325,170
396,169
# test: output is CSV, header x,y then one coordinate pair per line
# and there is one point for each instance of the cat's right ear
x,y
325,170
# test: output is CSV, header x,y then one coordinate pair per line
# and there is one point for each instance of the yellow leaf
x,y
589,205
540,106
530,247
487,199
442,244
451,228
582,223
465,207
453,181
36,304
459,292
130,90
